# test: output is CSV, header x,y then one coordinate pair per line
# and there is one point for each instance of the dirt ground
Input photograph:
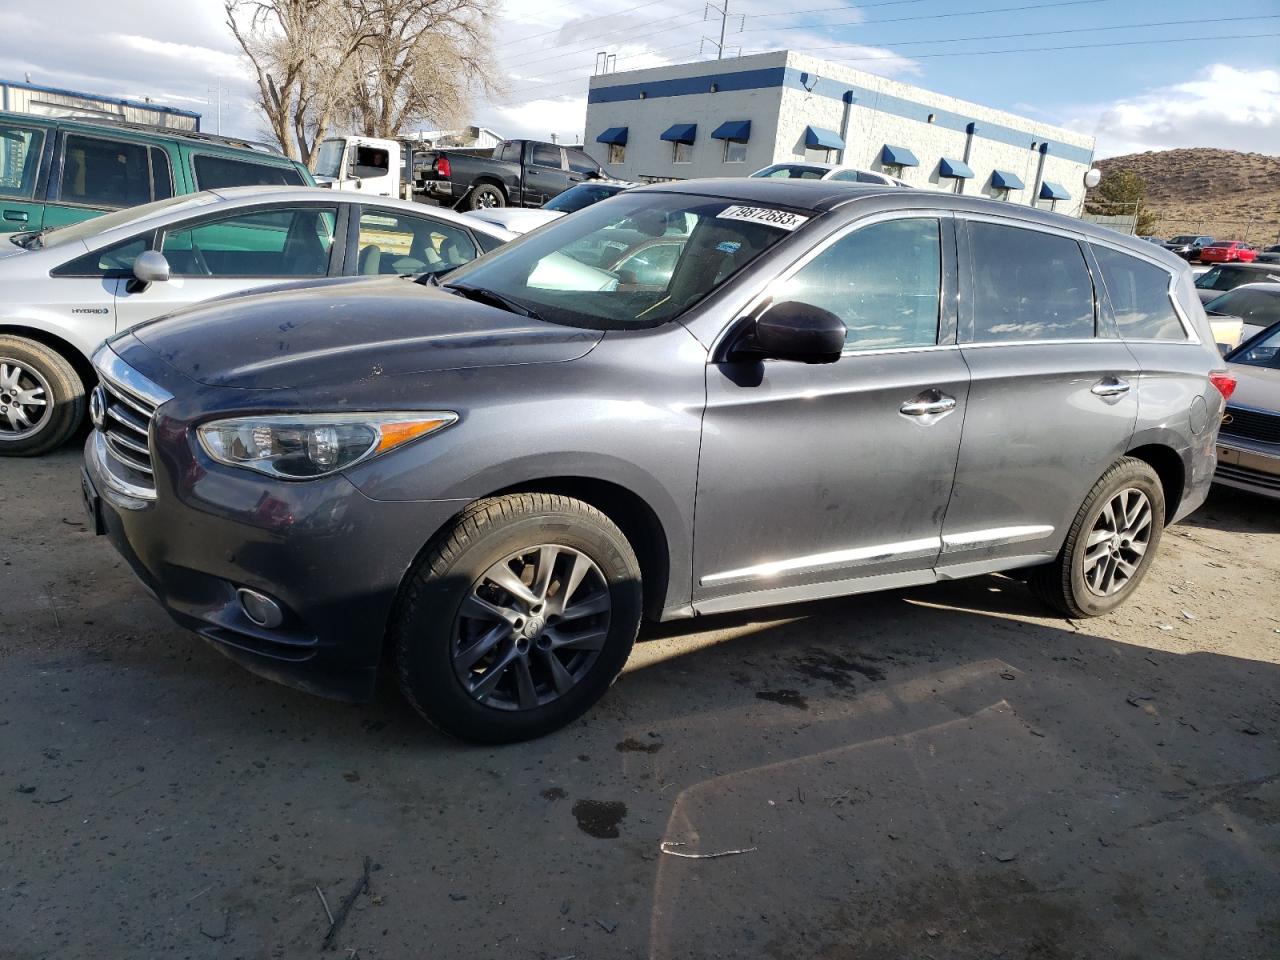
x,y
943,772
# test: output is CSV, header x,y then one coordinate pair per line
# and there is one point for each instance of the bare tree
x,y
423,60
303,54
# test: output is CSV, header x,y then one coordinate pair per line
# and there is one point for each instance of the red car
x,y
1228,251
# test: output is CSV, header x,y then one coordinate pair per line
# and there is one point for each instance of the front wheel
x,y
517,619
485,197
41,398
1110,545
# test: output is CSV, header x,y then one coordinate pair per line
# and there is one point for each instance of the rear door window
x,y
19,159
1139,293
212,172
99,172
396,243
1028,285
262,243
884,281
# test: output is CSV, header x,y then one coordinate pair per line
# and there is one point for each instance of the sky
x,y
1131,94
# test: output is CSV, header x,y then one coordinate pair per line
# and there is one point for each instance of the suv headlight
x,y
310,445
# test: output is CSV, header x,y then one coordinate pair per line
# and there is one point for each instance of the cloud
x,y
538,119
1224,106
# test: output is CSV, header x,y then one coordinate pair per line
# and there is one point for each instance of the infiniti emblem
x,y
98,406
1228,418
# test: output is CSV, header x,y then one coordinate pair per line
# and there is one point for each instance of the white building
x,y
469,138
731,117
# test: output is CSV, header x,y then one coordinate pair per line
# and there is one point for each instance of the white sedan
x,y
827,171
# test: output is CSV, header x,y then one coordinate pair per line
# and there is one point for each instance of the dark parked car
x,y
1188,245
491,481
1159,241
1257,305
1249,440
520,173
1220,278
1268,255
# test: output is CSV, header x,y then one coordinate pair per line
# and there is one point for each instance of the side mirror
x,y
799,331
149,267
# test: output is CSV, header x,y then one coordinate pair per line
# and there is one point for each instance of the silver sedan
x,y
63,291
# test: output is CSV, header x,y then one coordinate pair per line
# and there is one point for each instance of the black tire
x,y
1062,584
486,196
49,372
425,633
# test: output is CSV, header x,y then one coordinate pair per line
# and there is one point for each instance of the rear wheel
x,y
485,196
42,398
1110,545
518,618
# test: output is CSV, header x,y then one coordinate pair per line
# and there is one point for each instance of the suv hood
x,y
328,333
1257,387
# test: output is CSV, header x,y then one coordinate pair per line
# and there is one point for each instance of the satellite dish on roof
x,y
1092,178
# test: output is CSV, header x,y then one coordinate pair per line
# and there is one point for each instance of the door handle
x,y
928,407
18,215
1110,387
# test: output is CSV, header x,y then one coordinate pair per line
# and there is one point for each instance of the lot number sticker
x,y
766,215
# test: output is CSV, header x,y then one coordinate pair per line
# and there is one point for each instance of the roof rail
x,y
199,135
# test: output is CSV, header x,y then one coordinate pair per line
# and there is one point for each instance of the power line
x,y
604,16
1078,46
560,53
928,16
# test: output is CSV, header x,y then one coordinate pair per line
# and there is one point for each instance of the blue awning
x,y
1004,180
616,135
681,133
954,168
738,130
1053,191
816,138
898,156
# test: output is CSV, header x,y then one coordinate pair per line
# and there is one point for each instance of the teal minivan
x,y
55,171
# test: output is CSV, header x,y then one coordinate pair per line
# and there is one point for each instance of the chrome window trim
x,y
922,213
1078,341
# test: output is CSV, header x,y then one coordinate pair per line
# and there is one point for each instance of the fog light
x,y
260,608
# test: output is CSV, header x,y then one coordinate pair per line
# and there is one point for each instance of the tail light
x,y
442,167
1225,382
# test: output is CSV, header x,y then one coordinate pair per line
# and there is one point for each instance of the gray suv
x,y
489,480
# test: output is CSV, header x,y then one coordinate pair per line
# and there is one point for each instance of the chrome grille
x,y
1251,424
123,409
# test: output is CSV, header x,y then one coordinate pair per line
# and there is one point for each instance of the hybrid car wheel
x,y
517,618
1110,545
41,398
485,197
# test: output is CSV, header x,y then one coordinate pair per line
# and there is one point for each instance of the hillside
x,y
1228,194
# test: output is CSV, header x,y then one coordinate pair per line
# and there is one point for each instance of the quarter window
x,y
263,243
161,178
884,281
1139,293
214,172
1028,285
19,159
116,260
395,243
104,173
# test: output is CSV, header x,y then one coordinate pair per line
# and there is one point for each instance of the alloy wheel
x,y
531,627
1118,542
25,404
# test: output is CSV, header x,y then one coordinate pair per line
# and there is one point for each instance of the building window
x,y
893,169
1001,193
617,153
735,152
681,152
817,154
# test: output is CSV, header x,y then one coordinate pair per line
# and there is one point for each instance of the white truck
x,y
378,166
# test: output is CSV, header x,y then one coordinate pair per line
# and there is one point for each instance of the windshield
x,y
1257,305
329,159
1262,351
1228,278
583,195
56,236
578,270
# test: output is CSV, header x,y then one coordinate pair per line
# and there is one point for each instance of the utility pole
x,y
723,12
217,90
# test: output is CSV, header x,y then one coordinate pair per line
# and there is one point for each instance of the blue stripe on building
x,y
834,90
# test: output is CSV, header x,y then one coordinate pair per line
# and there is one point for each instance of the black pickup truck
x,y
519,173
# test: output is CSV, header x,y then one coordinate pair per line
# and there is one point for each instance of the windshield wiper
x,y
493,298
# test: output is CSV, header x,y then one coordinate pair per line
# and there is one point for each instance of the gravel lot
x,y
942,772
